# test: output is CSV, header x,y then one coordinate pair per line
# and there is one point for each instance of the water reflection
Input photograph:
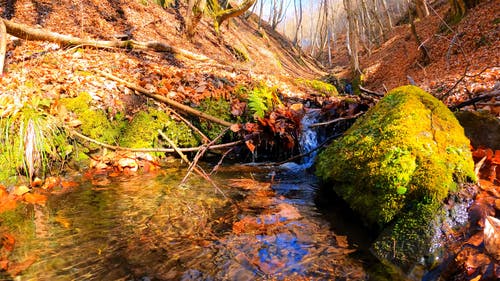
x,y
147,228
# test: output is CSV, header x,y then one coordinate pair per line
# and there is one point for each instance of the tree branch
x,y
26,32
166,150
166,100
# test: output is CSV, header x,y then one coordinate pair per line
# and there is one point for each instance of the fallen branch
x,y
204,138
166,100
26,32
196,168
166,150
489,95
335,120
200,154
370,92
3,46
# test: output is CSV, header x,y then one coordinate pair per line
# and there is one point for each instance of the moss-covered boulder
x,y
395,167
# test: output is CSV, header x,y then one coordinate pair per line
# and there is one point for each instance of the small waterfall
x,y
307,142
309,137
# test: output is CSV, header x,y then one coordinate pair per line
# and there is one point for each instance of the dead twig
x,y
200,154
204,138
166,150
216,167
336,120
166,100
489,95
445,95
196,168
370,92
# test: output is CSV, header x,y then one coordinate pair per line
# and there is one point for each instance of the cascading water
x,y
308,138
308,141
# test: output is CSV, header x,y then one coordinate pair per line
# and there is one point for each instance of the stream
x,y
270,224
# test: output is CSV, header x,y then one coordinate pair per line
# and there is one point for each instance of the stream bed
x,y
266,226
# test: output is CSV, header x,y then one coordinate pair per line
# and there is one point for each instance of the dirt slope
x,y
472,46
267,52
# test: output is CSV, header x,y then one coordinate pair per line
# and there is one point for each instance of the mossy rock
x,y
398,163
323,88
142,132
482,128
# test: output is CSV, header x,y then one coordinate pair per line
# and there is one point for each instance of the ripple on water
x,y
147,227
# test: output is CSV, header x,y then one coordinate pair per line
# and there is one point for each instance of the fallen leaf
x,y
51,182
7,242
67,184
250,145
20,190
34,198
36,182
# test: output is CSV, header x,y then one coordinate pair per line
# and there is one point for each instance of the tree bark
x,y
353,37
26,32
232,12
422,9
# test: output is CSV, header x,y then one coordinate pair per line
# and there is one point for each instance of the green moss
x,y
95,123
406,148
408,239
219,108
143,130
239,52
321,87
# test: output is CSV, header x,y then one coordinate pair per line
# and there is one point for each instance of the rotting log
x,y
26,32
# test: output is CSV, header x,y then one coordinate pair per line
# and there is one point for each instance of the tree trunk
x,y
298,14
232,12
193,16
422,9
353,37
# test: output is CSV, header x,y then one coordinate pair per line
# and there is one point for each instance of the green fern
x,y
261,100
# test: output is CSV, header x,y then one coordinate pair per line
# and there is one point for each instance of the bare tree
x,y
298,17
421,8
352,36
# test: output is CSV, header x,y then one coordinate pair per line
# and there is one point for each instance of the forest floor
x,y
464,64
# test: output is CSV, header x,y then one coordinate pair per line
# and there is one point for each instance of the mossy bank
x,y
396,165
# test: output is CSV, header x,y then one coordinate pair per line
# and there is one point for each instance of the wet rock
x,y
482,128
397,166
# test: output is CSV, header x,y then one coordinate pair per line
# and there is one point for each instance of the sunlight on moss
x,y
408,146
321,87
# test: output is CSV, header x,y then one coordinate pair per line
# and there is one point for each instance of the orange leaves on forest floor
x,y
489,161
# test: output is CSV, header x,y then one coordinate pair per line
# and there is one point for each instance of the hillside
x,y
250,80
465,54
241,49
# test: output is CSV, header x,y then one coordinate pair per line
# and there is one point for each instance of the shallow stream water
x,y
148,228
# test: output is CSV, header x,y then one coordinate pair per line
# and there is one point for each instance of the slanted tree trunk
x,y
235,11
